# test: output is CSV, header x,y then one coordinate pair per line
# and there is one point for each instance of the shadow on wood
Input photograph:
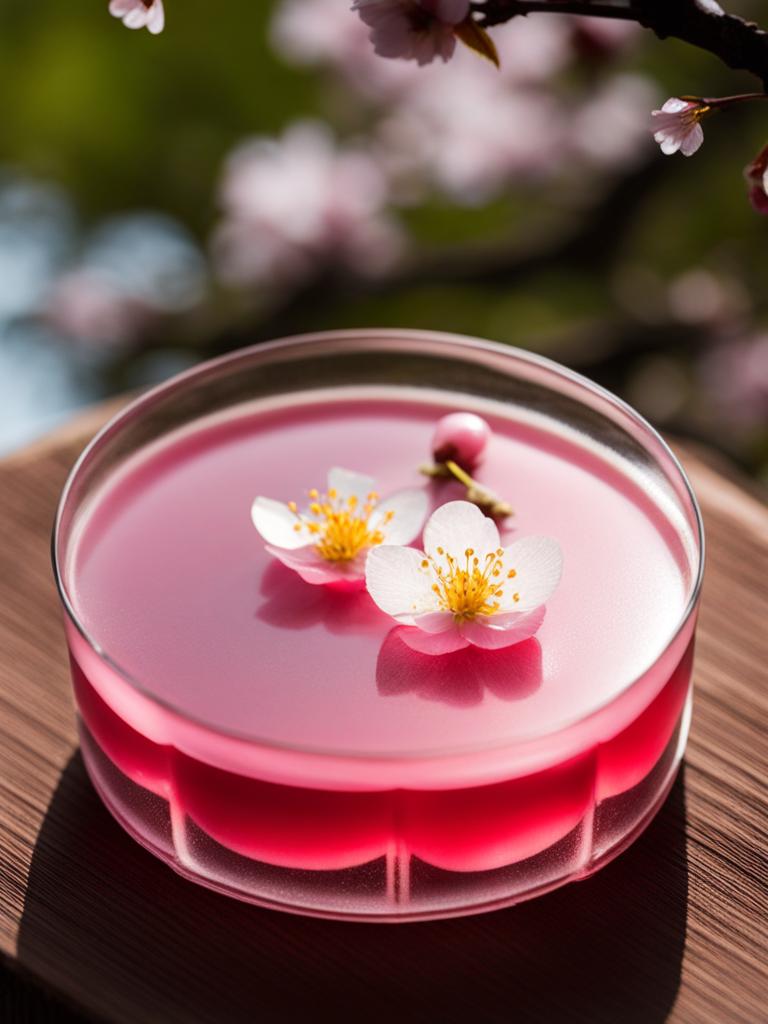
x,y
157,948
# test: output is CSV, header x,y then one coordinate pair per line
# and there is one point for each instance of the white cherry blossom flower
x,y
417,30
676,127
328,541
464,588
148,14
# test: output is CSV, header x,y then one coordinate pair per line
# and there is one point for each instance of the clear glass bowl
x,y
371,834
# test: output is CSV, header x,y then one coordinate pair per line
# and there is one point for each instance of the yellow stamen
x,y
470,589
340,526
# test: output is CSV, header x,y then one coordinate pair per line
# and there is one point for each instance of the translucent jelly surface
x,y
171,580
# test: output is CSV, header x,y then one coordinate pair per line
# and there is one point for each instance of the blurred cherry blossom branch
x,y
740,44
593,236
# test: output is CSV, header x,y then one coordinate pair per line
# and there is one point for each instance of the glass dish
x,y
274,740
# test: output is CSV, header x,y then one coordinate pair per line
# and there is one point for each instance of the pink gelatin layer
x,y
288,725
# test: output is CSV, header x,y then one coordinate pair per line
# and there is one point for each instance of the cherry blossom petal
x,y
457,526
492,633
693,141
410,510
675,105
276,524
538,564
418,30
435,621
348,484
433,643
449,11
156,20
313,569
135,14
398,583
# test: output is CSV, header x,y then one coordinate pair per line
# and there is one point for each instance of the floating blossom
x,y
417,30
329,540
464,588
148,14
677,125
756,174
293,202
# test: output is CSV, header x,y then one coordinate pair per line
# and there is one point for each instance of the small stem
x,y
731,101
460,474
486,500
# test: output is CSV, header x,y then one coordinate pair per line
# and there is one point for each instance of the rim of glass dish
x,y
376,337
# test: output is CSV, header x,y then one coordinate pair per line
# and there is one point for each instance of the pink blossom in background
x,y
469,133
316,31
417,30
756,174
328,32
700,297
603,35
609,128
148,14
292,202
85,306
312,32
532,50
735,376
472,129
676,126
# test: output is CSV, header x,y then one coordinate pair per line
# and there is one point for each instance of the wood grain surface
x,y
93,926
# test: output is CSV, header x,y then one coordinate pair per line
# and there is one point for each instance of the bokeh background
x,y
257,171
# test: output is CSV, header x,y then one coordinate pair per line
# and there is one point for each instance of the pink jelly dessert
x,y
280,742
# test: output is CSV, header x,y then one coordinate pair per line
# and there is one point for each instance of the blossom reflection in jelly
x,y
461,678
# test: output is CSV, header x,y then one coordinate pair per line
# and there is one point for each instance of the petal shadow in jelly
x,y
291,603
461,678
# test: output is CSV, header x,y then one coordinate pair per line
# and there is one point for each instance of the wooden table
x,y
91,926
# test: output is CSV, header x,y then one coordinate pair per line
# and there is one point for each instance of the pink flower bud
x,y
460,437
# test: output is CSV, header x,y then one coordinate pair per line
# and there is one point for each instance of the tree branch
x,y
741,45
